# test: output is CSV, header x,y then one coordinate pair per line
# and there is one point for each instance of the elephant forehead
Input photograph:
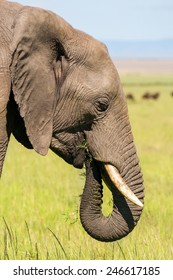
x,y
101,72
103,80
92,53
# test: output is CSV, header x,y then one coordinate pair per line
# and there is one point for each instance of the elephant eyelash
x,y
102,106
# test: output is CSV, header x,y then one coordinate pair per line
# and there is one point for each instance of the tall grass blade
x,y
58,242
28,232
8,230
36,249
113,247
121,250
13,239
6,256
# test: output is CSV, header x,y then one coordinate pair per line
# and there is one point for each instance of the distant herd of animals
x,y
146,95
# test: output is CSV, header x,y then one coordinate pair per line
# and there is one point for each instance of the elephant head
x,y
67,96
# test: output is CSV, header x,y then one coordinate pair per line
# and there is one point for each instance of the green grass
x,y
40,196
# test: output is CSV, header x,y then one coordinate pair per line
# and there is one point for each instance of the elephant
x,y
60,90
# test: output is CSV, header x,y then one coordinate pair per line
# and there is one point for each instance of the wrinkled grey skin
x,y
60,90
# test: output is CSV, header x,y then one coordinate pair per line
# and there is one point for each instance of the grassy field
x,y
40,196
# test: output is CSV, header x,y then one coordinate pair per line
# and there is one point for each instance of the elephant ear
x,y
36,53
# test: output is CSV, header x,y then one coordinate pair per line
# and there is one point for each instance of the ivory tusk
x,y
119,183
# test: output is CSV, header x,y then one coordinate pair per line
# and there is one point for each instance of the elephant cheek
x,y
61,150
79,159
72,153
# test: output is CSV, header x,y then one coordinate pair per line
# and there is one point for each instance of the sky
x,y
115,19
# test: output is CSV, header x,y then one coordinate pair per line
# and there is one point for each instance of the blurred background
x,y
137,29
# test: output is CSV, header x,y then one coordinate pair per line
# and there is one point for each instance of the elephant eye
x,y
102,105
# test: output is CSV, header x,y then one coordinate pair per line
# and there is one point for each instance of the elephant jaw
x,y
111,174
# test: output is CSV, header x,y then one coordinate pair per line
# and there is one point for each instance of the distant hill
x,y
141,49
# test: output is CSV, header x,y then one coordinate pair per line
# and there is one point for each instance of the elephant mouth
x,y
110,175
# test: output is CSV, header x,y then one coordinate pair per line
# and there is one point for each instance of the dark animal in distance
x,y
149,95
155,95
130,96
146,95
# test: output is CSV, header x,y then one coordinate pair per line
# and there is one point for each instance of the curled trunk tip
x,y
123,218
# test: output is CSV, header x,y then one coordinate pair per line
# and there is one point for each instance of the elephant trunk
x,y
125,213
